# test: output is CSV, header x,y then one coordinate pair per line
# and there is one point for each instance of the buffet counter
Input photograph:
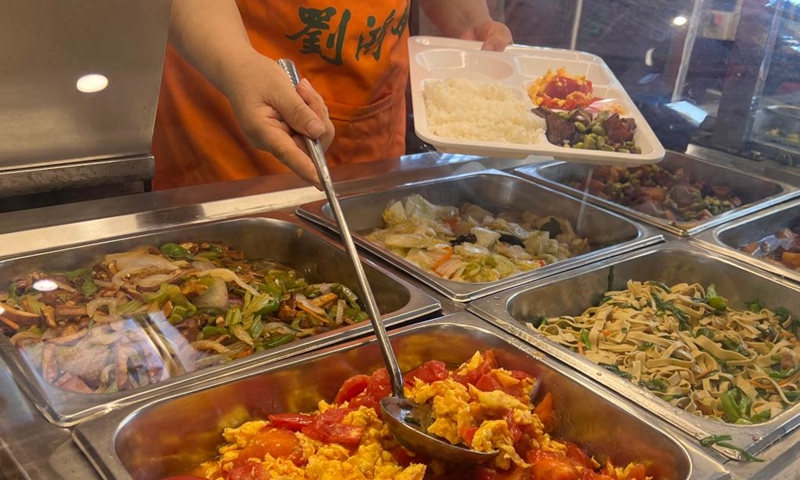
x,y
34,448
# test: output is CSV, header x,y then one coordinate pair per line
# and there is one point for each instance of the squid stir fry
x,y
471,244
479,405
143,316
687,346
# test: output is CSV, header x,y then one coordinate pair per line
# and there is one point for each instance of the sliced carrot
x,y
444,258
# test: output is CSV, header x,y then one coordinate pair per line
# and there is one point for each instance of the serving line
x,y
35,449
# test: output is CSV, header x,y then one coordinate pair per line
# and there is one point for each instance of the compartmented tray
x,y
280,238
670,263
608,234
171,434
729,238
755,192
434,58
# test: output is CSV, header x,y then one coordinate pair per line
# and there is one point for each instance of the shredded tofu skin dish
x,y
471,244
687,346
479,405
490,112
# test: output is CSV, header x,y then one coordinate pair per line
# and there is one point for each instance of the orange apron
x,y
354,53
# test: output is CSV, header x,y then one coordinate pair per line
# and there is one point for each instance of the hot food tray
x,y
759,231
755,192
280,239
167,436
670,263
608,233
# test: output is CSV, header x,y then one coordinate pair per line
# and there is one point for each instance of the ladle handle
x,y
318,156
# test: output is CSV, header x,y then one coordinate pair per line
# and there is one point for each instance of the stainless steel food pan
x,y
281,239
755,192
669,263
729,238
495,191
169,435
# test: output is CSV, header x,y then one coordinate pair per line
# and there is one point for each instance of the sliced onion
x,y
307,305
110,302
339,311
203,265
228,276
140,259
26,335
209,345
215,296
239,332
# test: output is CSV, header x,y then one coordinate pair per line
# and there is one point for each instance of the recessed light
x,y
92,83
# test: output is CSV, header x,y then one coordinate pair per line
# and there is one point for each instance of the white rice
x,y
464,109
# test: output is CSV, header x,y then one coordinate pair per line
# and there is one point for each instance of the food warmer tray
x,y
280,237
755,191
669,263
727,239
433,59
608,233
166,436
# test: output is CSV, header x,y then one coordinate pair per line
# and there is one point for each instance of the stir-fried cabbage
x,y
471,244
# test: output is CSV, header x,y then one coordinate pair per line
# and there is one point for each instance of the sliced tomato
x,y
468,433
469,378
553,466
328,427
378,387
351,388
637,472
276,442
545,413
403,457
577,454
428,372
512,383
248,471
513,427
290,421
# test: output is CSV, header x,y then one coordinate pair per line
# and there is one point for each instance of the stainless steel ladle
x,y
407,420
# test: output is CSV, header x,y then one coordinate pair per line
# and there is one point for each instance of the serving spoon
x,y
407,420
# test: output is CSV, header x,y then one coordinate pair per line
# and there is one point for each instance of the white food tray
x,y
436,58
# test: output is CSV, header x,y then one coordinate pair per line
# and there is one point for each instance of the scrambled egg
x,y
462,414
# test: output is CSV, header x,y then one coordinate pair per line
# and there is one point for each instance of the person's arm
x,y
468,20
210,35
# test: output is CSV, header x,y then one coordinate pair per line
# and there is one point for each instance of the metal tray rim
x,y
787,192
466,292
94,405
754,437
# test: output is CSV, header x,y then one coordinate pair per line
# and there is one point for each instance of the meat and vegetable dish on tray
x,y
687,346
471,244
479,405
145,315
525,100
672,194
783,247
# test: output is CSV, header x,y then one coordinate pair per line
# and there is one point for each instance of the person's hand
x,y
275,116
495,35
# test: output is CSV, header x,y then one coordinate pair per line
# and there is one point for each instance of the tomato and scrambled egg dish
x,y
479,405
561,91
